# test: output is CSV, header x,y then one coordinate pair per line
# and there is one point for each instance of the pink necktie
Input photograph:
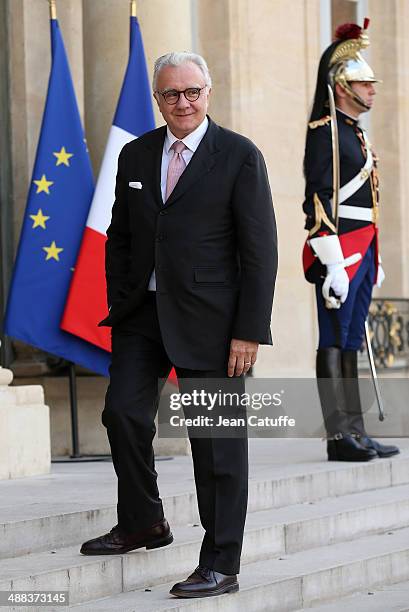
x,y
176,166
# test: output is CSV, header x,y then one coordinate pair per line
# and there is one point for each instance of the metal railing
x,y
389,324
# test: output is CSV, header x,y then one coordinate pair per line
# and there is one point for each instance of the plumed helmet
x,y
346,63
343,63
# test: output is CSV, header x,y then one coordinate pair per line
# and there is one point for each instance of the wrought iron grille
x,y
389,324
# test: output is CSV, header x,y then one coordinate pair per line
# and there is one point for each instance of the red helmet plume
x,y
347,31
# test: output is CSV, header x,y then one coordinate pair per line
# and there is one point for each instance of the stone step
x,y
293,582
269,534
389,598
45,524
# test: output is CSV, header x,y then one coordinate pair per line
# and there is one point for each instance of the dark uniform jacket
x,y
213,245
319,186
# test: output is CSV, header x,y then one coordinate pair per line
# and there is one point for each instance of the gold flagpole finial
x,y
53,9
133,8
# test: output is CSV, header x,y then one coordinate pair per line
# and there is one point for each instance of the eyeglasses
x,y
172,95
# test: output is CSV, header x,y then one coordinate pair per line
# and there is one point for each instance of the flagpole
x,y
133,8
71,367
74,411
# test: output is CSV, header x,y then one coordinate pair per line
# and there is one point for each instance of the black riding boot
x,y
341,446
349,361
354,407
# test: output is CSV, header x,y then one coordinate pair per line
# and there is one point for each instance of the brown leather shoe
x,y
205,582
117,542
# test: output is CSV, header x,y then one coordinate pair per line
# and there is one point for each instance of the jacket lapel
x,y
154,152
201,163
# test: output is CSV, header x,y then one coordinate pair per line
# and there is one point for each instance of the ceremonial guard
x,y
341,255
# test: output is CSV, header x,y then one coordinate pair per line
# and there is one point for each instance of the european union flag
x,y
57,207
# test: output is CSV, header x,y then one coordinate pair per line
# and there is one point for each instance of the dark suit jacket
x,y
213,245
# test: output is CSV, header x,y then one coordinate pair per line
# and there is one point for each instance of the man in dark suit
x,y
191,261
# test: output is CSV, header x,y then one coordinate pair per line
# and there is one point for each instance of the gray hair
x,y
176,58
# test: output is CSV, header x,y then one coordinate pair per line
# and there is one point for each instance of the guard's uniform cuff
x,y
328,249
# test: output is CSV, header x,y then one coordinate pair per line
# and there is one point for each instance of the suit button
x,y
160,237
163,212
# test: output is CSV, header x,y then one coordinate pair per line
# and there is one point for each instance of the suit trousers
x,y
139,361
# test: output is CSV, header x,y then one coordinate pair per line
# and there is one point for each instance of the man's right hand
x,y
243,355
338,281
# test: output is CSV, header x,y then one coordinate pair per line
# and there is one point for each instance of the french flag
x,y
86,303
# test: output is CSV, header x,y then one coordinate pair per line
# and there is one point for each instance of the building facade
x,y
263,56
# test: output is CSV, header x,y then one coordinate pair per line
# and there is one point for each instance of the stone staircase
x,y
319,536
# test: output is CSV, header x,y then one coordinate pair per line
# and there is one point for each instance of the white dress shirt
x,y
191,141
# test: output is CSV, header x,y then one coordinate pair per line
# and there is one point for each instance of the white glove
x,y
328,250
381,276
337,280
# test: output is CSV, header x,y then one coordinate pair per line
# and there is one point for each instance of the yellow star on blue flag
x,y
39,219
52,251
43,185
63,157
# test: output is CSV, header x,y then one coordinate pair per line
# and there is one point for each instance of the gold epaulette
x,y
319,122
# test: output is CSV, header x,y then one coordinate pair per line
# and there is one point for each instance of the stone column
x,y
165,26
264,56
390,130
213,21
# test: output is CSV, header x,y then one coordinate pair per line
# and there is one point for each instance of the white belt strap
x,y
347,190
358,213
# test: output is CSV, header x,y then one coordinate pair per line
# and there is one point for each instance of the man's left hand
x,y
243,355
